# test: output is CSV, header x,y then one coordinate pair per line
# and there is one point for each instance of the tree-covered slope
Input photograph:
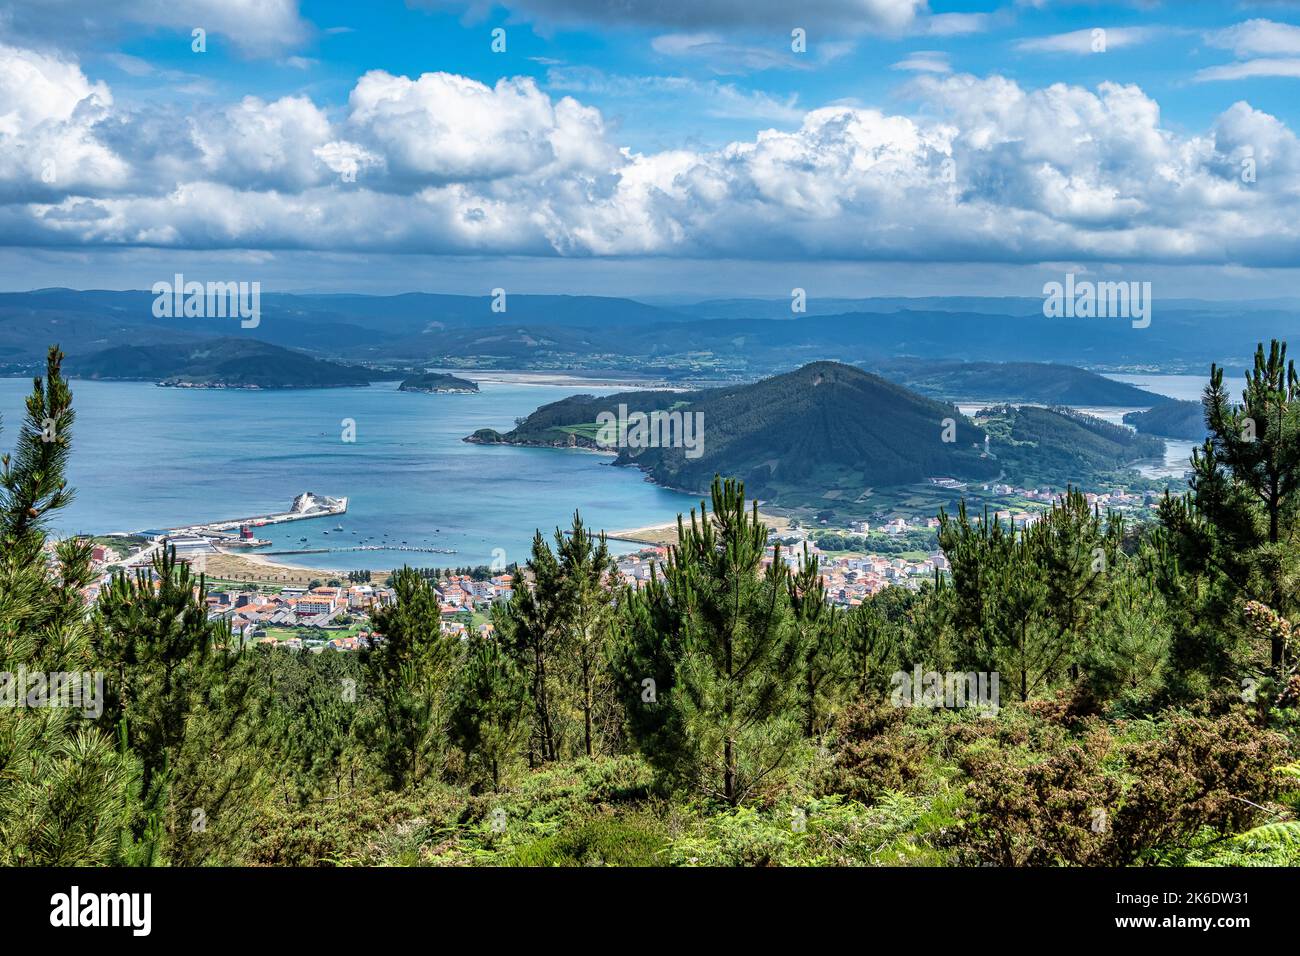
x,y
1171,419
228,362
1045,383
436,382
823,427
1058,446
833,431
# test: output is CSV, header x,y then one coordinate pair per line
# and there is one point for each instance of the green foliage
x,y
1282,834
409,674
1097,800
788,431
64,788
720,643
599,841
825,832
1057,445
489,701
183,705
1172,419
819,634
722,714
312,703
1026,603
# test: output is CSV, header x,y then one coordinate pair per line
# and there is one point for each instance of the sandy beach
x,y
666,533
256,568
562,379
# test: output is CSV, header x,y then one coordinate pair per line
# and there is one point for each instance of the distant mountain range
x,y
780,308
830,431
217,363
354,327
716,340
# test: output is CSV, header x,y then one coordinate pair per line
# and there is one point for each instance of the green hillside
x,y
830,432
436,382
218,363
1171,419
825,430
1045,383
1057,446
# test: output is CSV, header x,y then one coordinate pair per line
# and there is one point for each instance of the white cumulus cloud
x,y
986,170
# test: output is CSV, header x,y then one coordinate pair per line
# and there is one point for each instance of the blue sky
x,y
343,40
685,147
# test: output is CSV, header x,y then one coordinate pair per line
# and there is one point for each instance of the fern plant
x,y
1281,832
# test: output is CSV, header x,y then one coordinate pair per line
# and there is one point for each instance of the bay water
x,y
146,457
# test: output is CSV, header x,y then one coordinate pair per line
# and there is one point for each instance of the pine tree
x,y
1075,550
1231,540
489,707
1246,478
409,673
64,788
184,703
1129,652
868,649
587,597
154,636
715,636
820,637
532,632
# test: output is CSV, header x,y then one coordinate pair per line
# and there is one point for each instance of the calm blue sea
x,y
150,457
1187,388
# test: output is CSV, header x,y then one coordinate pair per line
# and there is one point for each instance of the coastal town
x,y
334,613
321,610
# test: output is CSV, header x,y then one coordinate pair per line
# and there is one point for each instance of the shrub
x,y
637,840
873,752
1099,801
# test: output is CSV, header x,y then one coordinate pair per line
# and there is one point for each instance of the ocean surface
x,y
148,457
1187,388
1178,452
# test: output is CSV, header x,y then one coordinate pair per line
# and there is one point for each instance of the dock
x,y
364,547
306,505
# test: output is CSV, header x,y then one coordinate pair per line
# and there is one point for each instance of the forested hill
x,y
1057,446
832,431
823,426
1172,419
436,382
1045,383
218,363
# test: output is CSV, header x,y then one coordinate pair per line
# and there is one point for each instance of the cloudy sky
x,y
701,147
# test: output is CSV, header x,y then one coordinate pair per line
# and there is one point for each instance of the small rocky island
x,y
436,382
